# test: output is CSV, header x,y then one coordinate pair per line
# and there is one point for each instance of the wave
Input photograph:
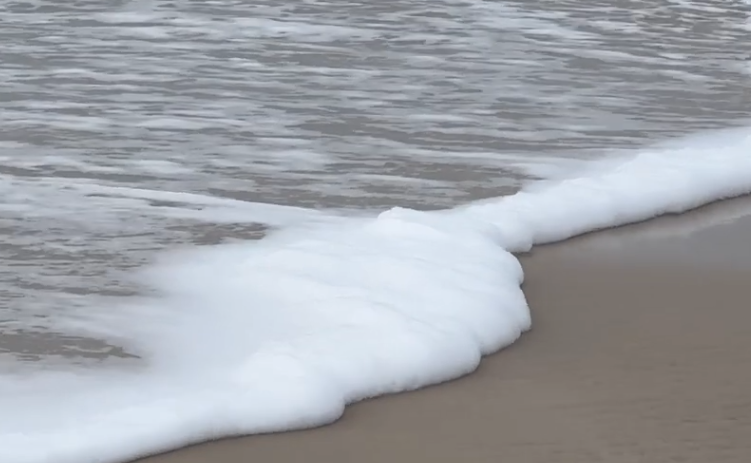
x,y
284,332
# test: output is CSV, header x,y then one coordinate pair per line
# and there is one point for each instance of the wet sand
x,y
639,353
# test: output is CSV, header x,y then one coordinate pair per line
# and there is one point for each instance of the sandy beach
x,y
639,353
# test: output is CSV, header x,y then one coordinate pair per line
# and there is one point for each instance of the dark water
x,y
131,127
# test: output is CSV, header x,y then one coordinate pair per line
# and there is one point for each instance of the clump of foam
x,y
284,332
672,178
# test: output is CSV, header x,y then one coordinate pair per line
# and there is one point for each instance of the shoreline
x,y
637,353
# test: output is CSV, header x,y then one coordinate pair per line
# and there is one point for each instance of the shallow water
x,y
110,114
139,127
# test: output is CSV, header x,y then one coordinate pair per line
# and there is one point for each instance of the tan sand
x,y
640,352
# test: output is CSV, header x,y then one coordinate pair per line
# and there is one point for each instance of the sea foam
x,y
282,333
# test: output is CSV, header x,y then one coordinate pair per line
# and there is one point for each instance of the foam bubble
x,y
282,333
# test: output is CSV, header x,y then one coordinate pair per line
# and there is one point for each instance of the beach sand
x,y
640,352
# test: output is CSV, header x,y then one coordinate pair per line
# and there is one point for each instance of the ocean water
x,y
225,217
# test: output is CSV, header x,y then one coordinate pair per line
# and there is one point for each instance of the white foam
x,y
86,201
284,332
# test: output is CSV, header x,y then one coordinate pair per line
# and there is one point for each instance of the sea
x,y
223,217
